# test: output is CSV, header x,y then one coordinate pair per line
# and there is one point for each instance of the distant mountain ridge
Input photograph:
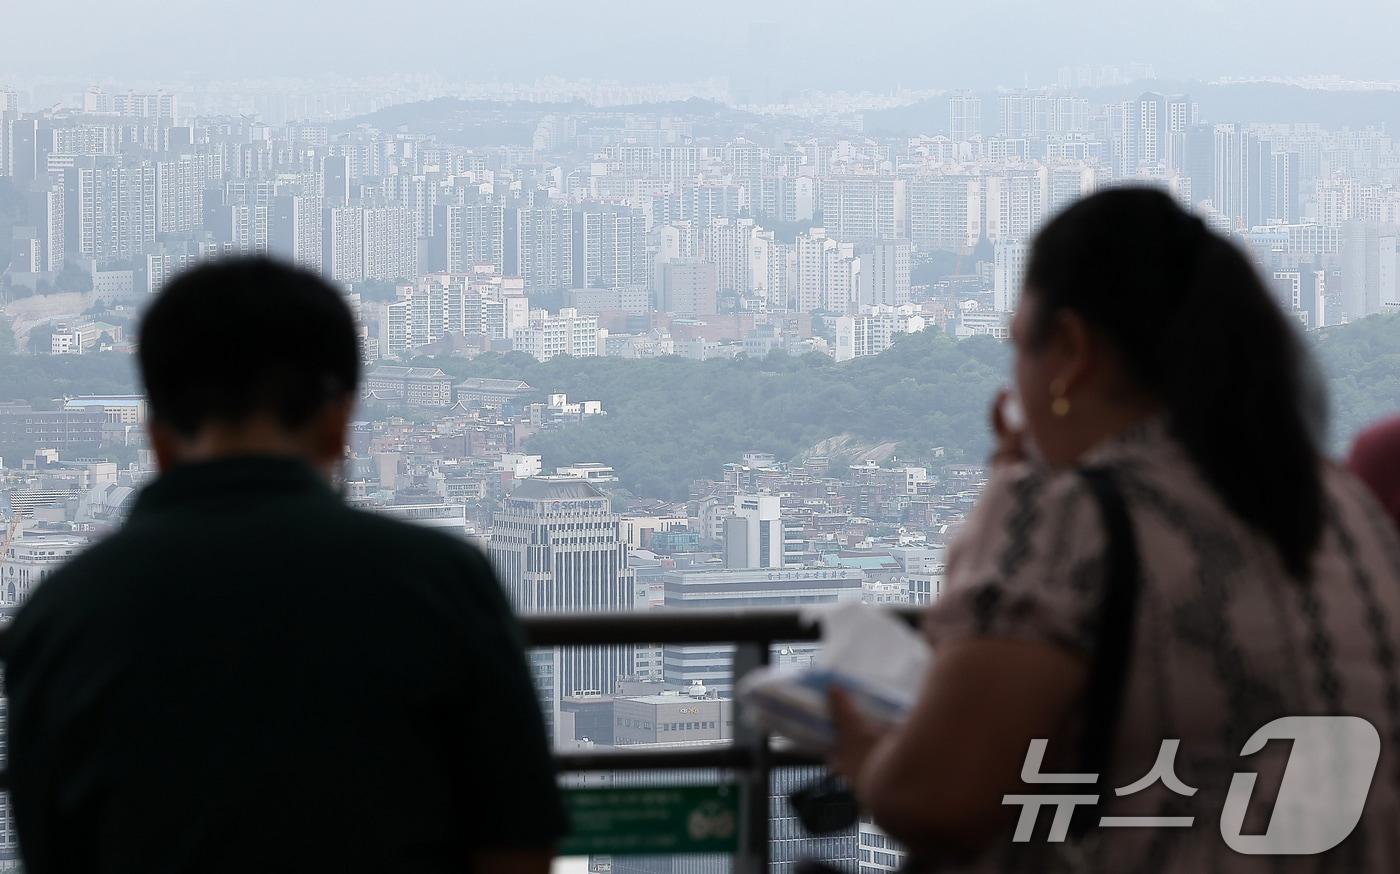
x,y
489,122
1261,102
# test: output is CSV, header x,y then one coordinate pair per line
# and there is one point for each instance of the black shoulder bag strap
x,y
1109,668
1113,650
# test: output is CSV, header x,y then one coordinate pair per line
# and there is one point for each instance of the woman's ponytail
x,y
1196,327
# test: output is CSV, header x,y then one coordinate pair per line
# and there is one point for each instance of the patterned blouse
x,y
1225,641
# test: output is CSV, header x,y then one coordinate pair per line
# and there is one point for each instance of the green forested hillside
x,y
38,379
1362,364
671,420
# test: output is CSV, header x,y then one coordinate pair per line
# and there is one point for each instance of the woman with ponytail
x,y
1162,564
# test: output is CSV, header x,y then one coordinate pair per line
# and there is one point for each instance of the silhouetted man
x,y
251,676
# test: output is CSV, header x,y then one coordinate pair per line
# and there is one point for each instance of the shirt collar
x,y
1148,436
256,475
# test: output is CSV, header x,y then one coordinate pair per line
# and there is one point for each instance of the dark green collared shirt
x,y
251,676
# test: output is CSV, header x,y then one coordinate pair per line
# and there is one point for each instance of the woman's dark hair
x,y
1196,328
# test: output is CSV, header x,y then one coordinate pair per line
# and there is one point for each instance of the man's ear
x,y
332,427
166,443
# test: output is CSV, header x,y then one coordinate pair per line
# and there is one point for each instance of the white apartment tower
x,y
753,536
828,273
1008,274
885,272
964,117
549,336
864,207
945,212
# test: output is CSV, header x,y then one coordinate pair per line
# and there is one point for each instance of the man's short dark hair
x,y
240,337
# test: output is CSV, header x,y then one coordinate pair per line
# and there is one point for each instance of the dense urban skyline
x,y
649,351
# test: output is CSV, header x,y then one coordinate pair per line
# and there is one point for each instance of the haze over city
x,y
818,44
602,309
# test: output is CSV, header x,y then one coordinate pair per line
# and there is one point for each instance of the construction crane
x,y
9,535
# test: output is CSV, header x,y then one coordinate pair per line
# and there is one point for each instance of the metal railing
x,y
753,753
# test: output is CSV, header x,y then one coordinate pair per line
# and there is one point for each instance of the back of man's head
x,y
246,340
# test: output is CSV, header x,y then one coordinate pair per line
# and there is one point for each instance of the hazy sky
x,y
867,44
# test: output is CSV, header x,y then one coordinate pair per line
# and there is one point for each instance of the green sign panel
x,y
652,820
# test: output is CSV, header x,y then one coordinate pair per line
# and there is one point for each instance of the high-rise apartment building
x,y
1008,274
46,216
1015,203
945,212
110,209
22,149
864,207
368,243
1068,183
772,271
885,272
180,186
610,247
335,174
1370,261
828,273
1254,182
295,226
688,288
342,244
389,243
468,234
538,243
725,244
964,117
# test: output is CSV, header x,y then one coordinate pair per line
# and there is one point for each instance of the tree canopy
x,y
671,420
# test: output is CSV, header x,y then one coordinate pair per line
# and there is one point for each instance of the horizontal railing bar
x,y
678,626
749,625
653,760
678,759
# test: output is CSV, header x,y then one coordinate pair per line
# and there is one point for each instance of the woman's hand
x,y
856,737
1010,436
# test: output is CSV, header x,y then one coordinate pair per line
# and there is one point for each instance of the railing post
x,y
756,783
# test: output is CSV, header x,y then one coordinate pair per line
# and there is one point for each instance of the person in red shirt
x,y
1375,460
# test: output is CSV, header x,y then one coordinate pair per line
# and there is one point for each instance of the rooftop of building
x,y
555,488
675,698
104,400
482,383
398,371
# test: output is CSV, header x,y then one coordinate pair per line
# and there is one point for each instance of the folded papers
x,y
877,658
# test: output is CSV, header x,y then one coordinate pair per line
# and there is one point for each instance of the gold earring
x,y
1060,404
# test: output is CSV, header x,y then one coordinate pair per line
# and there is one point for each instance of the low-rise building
x,y
24,429
76,339
549,336
413,386
676,717
32,556
119,409
478,392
